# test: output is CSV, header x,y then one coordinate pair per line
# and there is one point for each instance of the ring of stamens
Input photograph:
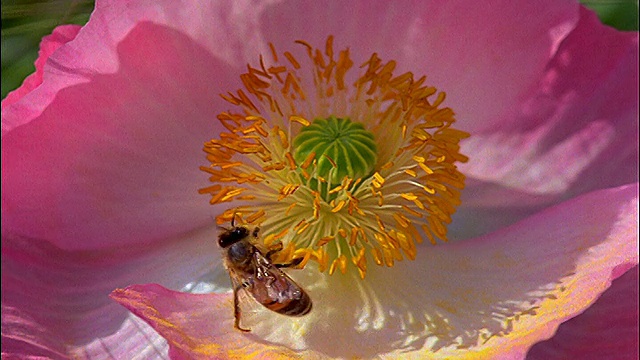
x,y
411,192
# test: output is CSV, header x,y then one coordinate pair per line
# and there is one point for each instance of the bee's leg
x,y
272,252
236,309
293,262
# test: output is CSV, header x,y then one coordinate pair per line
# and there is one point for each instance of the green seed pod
x,y
342,142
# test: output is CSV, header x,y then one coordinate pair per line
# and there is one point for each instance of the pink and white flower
x,y
101,150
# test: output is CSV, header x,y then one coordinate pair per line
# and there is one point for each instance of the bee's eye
x,y
239,232
236,234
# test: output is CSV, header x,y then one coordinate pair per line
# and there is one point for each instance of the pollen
x,y
346,166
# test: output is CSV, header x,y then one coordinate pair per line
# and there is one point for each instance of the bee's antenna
x,y
233,219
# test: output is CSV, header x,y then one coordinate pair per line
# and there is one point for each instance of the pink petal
x,y
55,302
586,242
488,207
23,336
577,129
576,133
217,27
196,326
114,160
606,330
545,270
49,44
580,245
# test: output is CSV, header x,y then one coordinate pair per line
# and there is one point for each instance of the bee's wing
x,y
270,284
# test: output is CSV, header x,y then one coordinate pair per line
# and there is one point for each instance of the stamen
x,y
325,240
299,120
255,216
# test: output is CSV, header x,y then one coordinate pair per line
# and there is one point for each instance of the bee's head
x,y
231,236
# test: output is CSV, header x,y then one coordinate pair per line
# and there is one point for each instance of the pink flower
x,y
101,150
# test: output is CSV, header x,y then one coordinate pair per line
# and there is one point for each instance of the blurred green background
x,y
25,22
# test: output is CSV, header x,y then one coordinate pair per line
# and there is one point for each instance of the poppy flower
x,y
468,213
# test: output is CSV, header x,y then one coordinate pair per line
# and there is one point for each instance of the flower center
x,y
341,149
372,175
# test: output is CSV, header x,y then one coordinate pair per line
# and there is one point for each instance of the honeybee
x,y
253,271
